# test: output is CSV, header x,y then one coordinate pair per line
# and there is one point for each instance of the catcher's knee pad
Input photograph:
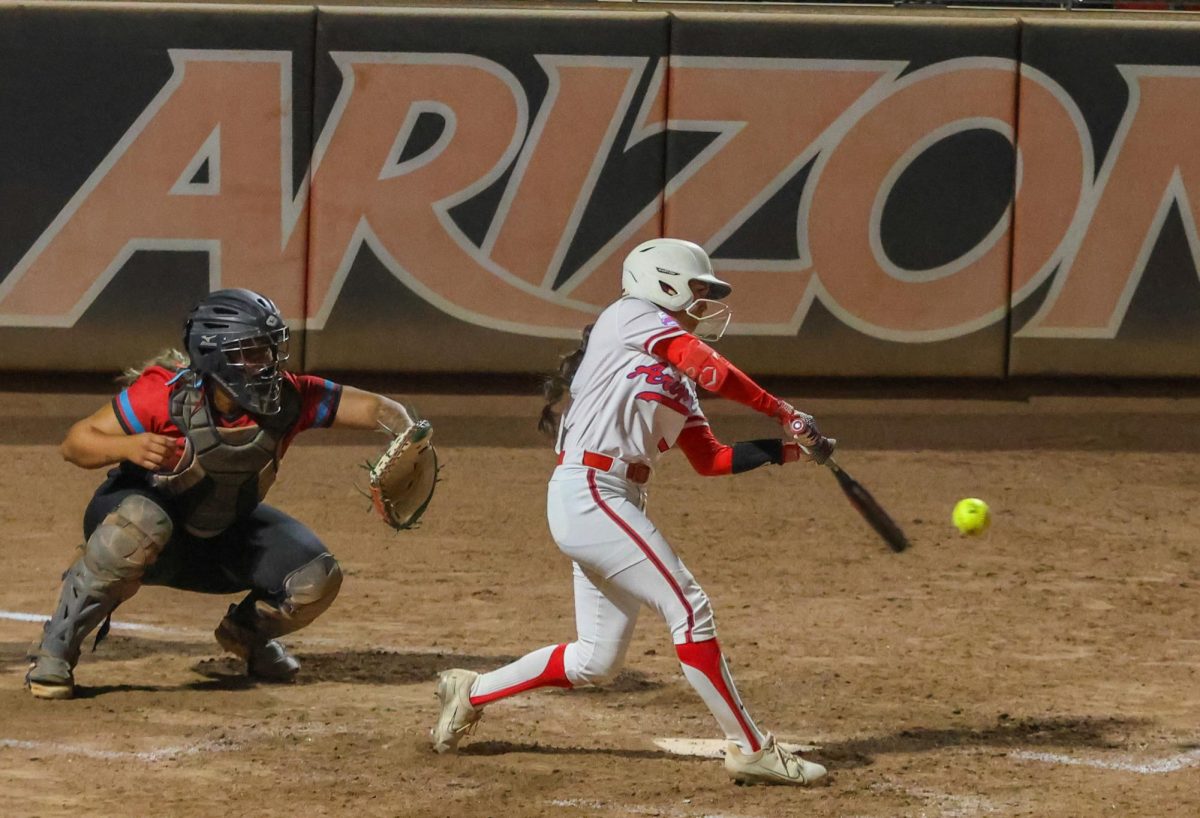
x,y
594,663
307,593
128,540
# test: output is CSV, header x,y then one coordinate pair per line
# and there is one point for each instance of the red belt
x,y
634,472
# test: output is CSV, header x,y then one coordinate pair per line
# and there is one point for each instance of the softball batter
x,y
197,444
633,397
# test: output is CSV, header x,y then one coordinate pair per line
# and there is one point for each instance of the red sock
x,y
531,671
705,668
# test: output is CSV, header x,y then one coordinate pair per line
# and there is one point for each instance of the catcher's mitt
x,y
403,478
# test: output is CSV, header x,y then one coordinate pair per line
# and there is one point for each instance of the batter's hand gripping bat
x,y
869,508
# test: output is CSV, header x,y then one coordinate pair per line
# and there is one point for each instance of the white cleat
x,y
459,716
770,765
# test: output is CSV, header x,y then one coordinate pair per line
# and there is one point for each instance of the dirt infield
x,y
1050,668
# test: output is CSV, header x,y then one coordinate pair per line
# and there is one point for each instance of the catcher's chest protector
x,y
225,471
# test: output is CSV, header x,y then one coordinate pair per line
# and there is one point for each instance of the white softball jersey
x,y
625,403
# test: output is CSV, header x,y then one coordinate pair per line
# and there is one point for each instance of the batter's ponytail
x,y
556,385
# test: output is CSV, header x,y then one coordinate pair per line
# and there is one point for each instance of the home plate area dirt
x,y
1048,668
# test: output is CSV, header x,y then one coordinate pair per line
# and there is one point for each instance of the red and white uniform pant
x,y
622,563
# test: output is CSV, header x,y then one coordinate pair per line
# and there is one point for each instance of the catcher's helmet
x,y
660,270
238,338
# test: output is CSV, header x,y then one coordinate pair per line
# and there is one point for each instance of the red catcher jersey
x,y
144,406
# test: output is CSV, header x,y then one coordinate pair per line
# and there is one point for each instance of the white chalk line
x,y
193,633
170,752
146,756
21,616
1163,765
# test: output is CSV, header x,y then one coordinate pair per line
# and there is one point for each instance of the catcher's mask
x,y
238,338
661,271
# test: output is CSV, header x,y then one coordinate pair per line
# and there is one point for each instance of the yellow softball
x,y
971,516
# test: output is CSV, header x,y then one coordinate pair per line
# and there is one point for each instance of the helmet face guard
x,y
238,338
252,370
712,320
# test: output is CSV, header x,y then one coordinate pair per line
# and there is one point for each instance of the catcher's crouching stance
x,y
198,443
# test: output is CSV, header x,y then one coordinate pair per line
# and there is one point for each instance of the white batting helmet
x,y
659,271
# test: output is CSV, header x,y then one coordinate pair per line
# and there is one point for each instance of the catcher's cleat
x,y
50,678
770,765
266,660
459,716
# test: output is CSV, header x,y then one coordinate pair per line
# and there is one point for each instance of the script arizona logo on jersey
x,y
656,375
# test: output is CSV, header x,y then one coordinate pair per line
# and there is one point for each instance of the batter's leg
x,y
665,585
605,618
662,582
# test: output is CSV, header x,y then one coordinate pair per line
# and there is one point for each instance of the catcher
x,y
197,441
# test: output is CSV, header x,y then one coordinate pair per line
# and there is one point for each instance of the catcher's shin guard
x,y
107,573
250,627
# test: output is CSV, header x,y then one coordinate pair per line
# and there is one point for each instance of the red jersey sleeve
x,y
145,405
707,455
319,399
736,385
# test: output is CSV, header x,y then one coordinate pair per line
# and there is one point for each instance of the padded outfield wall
x,y
891,195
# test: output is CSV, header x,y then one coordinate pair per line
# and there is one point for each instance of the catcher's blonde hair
x,y
168,358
